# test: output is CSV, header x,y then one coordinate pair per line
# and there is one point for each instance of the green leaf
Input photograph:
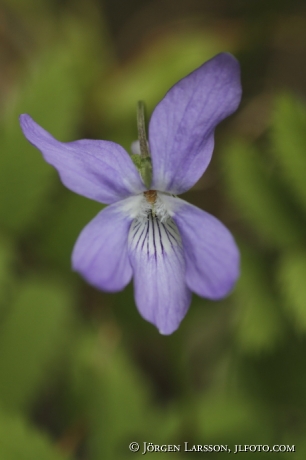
x,y
108,388
289,138
32,337
20,441
231,418
259,197
259,325
115,398
137,160
291,278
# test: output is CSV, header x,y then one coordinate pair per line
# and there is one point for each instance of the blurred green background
x,y
81,373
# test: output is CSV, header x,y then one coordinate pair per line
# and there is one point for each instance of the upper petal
x,y
211,254
100,170
101,251
181,130
157,258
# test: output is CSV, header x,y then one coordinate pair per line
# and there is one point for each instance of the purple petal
x,y
100,254
181,130
100,170
156,256
212,257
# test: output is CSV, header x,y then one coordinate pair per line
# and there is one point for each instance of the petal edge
x,y
211,254
181,129
99,170
100,253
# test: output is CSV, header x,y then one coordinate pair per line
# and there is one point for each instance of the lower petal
x,y
157,258
100,254
211,254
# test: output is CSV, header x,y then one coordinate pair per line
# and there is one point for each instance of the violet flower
x,y
167,245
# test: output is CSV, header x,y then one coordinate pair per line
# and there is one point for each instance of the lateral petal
x,y
100,254
181,130
157,258
211,254
100,170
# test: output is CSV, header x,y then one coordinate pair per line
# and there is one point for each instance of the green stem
x,y
145,163
141,126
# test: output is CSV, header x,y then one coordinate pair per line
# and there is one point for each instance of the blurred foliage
x,y
81,374
19,440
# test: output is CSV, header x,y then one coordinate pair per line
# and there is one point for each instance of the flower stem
x,y
145,164
141,126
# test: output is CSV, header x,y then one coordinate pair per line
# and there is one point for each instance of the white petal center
x,y
154,237
153,230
